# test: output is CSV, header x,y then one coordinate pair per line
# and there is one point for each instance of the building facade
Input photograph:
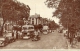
x,y
34,19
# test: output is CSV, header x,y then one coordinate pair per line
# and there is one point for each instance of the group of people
x,y
16,32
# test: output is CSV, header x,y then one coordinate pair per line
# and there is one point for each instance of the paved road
x,y
49,41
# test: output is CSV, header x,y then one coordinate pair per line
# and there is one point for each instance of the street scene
x,y
39,24
51,41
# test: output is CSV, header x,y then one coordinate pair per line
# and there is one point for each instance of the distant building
x,y
34,19
37,19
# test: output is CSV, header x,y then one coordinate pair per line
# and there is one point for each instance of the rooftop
x,y
35,16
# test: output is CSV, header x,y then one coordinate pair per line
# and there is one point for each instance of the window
x,y
33,22
32,18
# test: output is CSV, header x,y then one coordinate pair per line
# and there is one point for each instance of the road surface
x,y
49,41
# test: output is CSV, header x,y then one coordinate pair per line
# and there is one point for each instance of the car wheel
x,y
3,44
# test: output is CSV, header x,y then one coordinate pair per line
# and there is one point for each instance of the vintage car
x,y
45,29
27,31
3,41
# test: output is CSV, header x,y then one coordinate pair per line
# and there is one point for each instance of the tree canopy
x,y
14,10
68,11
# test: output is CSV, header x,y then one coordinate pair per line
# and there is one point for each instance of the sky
x,y
38,6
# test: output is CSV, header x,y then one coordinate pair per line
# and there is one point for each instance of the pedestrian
x,y
16,34
13,33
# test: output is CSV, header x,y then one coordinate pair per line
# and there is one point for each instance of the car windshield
x,y
30,28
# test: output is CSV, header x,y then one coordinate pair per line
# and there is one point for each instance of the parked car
x,y
45,29
27,31
3,41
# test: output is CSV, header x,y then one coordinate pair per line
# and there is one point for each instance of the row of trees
x,y
12,10
68,11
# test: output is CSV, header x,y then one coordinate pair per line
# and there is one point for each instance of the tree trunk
x,y
1,33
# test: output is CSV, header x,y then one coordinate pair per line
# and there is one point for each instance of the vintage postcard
x,y
39,24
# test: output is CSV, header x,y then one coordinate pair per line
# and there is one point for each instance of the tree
x,y
40,26
21,22
68,11
13,10
53,25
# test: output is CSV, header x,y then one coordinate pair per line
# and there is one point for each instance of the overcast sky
x,y
38,6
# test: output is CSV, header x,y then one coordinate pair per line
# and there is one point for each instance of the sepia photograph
x,y
39,24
